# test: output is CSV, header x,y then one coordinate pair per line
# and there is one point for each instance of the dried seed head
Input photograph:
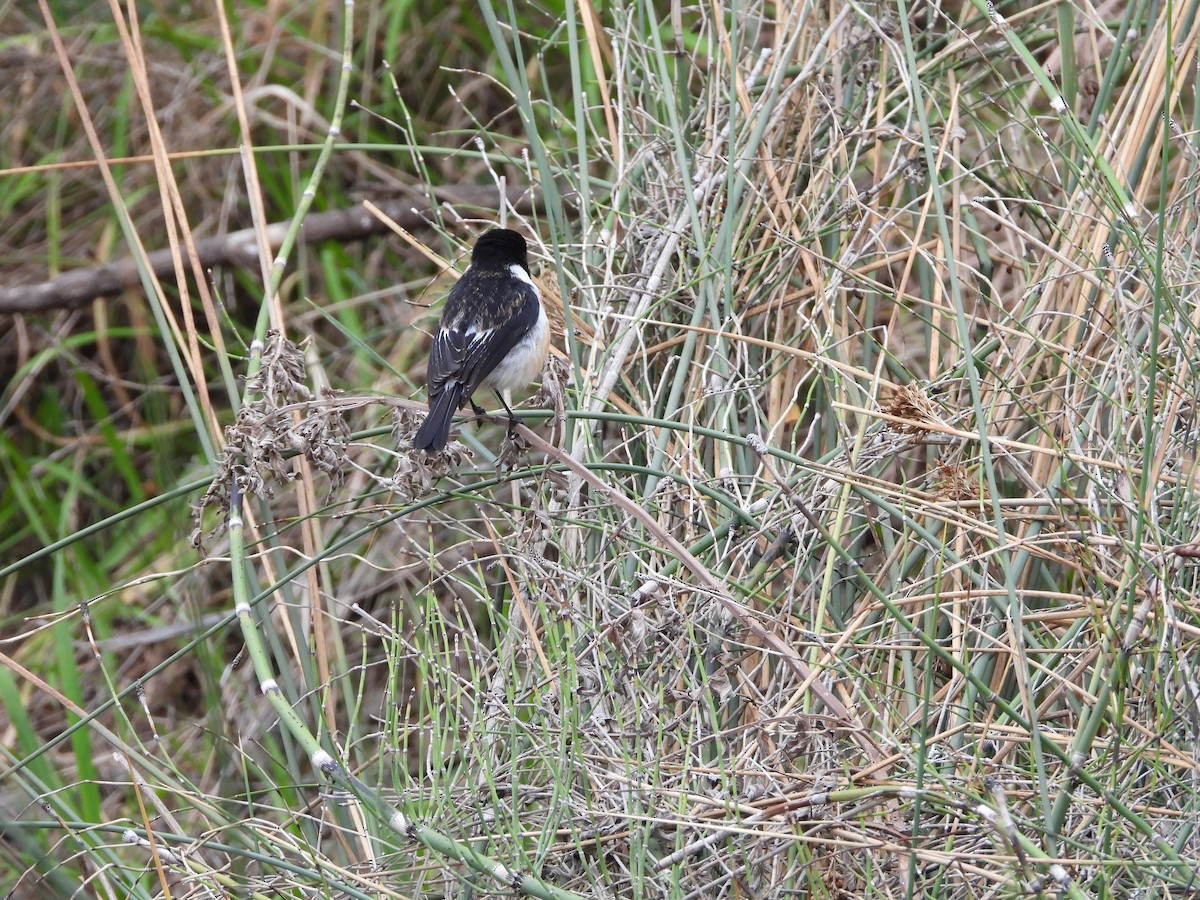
x,y
910,403
262,443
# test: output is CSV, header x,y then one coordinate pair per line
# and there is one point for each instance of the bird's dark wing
x,y
486,315
445,359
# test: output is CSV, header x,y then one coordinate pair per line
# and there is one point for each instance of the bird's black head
x,y
500,247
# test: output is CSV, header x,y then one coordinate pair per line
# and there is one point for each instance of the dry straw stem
x,y
184,348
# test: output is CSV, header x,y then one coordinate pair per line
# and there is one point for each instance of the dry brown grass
x,y
862,565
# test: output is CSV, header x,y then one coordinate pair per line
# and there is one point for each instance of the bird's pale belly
x,y
524,362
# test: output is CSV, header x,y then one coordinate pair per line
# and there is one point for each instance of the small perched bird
x,y
493,333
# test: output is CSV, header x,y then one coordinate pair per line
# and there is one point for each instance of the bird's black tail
x,y
435,430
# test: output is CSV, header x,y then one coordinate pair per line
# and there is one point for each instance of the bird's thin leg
x,y
477,409
513,421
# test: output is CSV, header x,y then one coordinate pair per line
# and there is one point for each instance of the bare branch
x,y
238,248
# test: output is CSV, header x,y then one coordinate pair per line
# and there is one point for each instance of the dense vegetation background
x,y
849,549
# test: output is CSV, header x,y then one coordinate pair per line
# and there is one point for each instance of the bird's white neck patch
x,y
521,275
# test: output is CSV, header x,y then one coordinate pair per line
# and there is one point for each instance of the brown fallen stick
x,y
240,248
